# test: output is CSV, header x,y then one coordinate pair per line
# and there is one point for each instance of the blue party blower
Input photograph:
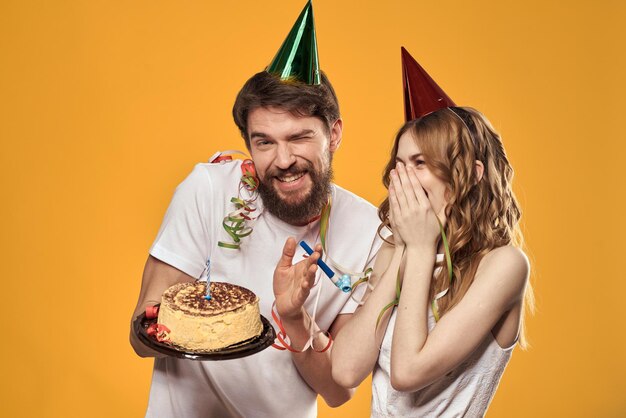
x,y
341,284
320,262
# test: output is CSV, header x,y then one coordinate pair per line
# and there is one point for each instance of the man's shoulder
x,y
353,210
224,169
346,199
215,176
354,225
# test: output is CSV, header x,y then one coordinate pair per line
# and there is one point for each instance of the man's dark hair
x,y
265,89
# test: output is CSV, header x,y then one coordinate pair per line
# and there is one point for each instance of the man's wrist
x,y
294,319
297,328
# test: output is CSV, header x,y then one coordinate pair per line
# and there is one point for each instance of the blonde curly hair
x,y
482,214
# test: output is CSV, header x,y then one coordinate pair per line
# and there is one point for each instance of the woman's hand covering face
x,y
411,214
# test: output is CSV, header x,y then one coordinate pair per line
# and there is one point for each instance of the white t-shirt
x,y
464,392
265,384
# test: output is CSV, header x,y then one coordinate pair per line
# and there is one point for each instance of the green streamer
x,y
396,301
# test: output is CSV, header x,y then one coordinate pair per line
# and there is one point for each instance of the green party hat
x,y
297,56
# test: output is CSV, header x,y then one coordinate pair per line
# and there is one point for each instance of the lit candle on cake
x,y
207,296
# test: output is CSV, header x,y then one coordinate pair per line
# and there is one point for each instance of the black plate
x,y
242,349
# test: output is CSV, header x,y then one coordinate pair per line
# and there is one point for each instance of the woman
x,y
442,351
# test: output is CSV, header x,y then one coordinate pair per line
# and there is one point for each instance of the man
x,y
289,118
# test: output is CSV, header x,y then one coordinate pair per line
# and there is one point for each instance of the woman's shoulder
x,y
507,265
508,254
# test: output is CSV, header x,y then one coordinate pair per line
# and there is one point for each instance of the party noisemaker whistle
x,y
342,283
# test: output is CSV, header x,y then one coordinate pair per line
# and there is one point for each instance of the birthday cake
x,y
197,324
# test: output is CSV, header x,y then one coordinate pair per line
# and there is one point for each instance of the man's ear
x,y
480,169
336,131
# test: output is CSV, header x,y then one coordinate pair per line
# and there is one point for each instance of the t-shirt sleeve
x,y
183,240
353,302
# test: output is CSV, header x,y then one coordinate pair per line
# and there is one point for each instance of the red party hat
x,y
421,94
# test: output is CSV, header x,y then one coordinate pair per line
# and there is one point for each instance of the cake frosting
x,y
194,323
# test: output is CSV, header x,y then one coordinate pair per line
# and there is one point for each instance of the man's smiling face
x,y
292,155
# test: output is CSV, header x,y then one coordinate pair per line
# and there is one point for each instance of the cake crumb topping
x,y
189,298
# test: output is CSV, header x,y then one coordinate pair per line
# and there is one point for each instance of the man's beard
x,y
309,206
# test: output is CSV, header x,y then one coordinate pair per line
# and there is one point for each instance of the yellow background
x,y
107,105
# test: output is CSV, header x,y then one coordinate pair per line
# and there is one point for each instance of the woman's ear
x,y
480,169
